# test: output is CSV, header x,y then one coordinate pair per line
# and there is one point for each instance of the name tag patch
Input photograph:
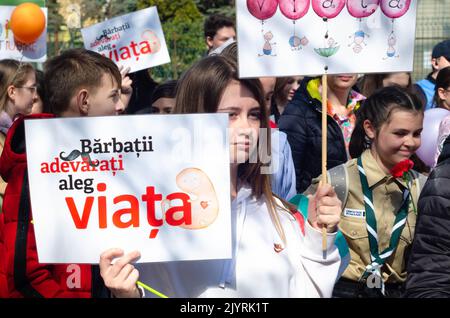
x,y
355,213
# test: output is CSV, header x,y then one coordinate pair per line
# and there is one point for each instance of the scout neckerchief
x,y
378,259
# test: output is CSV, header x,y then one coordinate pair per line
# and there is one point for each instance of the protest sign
x,y
154,183
134,40
313,37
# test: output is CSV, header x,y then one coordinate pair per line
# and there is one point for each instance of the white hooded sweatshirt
x,y
256,270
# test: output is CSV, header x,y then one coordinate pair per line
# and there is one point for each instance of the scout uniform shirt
x,y
387,197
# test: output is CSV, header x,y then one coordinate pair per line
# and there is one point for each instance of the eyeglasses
x,y
32,89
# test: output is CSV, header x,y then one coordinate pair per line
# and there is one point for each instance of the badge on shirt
x,y
355,213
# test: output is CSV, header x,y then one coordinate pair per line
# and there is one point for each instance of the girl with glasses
x,y
17,91
16,97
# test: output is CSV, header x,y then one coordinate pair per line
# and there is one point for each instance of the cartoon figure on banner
x,y
393,9
360,9
268,46
328,10
358,40
263,10
392,40
295,10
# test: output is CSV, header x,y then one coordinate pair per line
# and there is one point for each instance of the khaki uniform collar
x,y
374,173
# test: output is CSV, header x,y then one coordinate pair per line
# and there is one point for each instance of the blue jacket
x,y
283,178
427,86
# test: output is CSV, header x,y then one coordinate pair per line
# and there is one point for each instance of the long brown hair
x,y
200,90
14,73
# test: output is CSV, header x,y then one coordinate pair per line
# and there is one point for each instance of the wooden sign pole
x,y
324,148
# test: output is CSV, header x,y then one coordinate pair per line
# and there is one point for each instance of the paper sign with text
x,y
11,49
159,184
313,37
134,40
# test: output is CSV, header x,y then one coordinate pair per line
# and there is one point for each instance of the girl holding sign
x,y
379,192
276,253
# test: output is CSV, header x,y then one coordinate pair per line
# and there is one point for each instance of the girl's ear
x,y
11,91
369,129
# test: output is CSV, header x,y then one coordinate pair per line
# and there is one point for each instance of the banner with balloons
x,y
134,40
312,37
23,32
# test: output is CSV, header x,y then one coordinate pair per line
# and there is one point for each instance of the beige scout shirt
x,y
387,195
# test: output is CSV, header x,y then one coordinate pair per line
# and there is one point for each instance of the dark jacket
x,y
21,274
302,122
429,263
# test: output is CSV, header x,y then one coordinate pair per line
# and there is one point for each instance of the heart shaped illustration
x,y
204,204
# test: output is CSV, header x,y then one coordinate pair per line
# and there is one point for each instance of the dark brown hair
x,y
442,81
74,69
216,22
378,109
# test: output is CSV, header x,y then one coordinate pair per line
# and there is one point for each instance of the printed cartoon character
x,y
295,42
268,46
392,40
152,39
331,47
204,202
358,40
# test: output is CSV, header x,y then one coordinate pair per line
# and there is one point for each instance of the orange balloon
x,y
27,22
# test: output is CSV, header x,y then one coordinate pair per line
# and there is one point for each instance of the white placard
x,y
10,49
134,40
156,183
277,46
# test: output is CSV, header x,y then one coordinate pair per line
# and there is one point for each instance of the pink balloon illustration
x,y
362,8
395,8
328,8
262,9
294,9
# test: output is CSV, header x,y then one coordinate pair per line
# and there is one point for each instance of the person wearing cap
x,y
440,58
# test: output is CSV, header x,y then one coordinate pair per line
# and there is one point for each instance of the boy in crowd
x,y
218,29
78,83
